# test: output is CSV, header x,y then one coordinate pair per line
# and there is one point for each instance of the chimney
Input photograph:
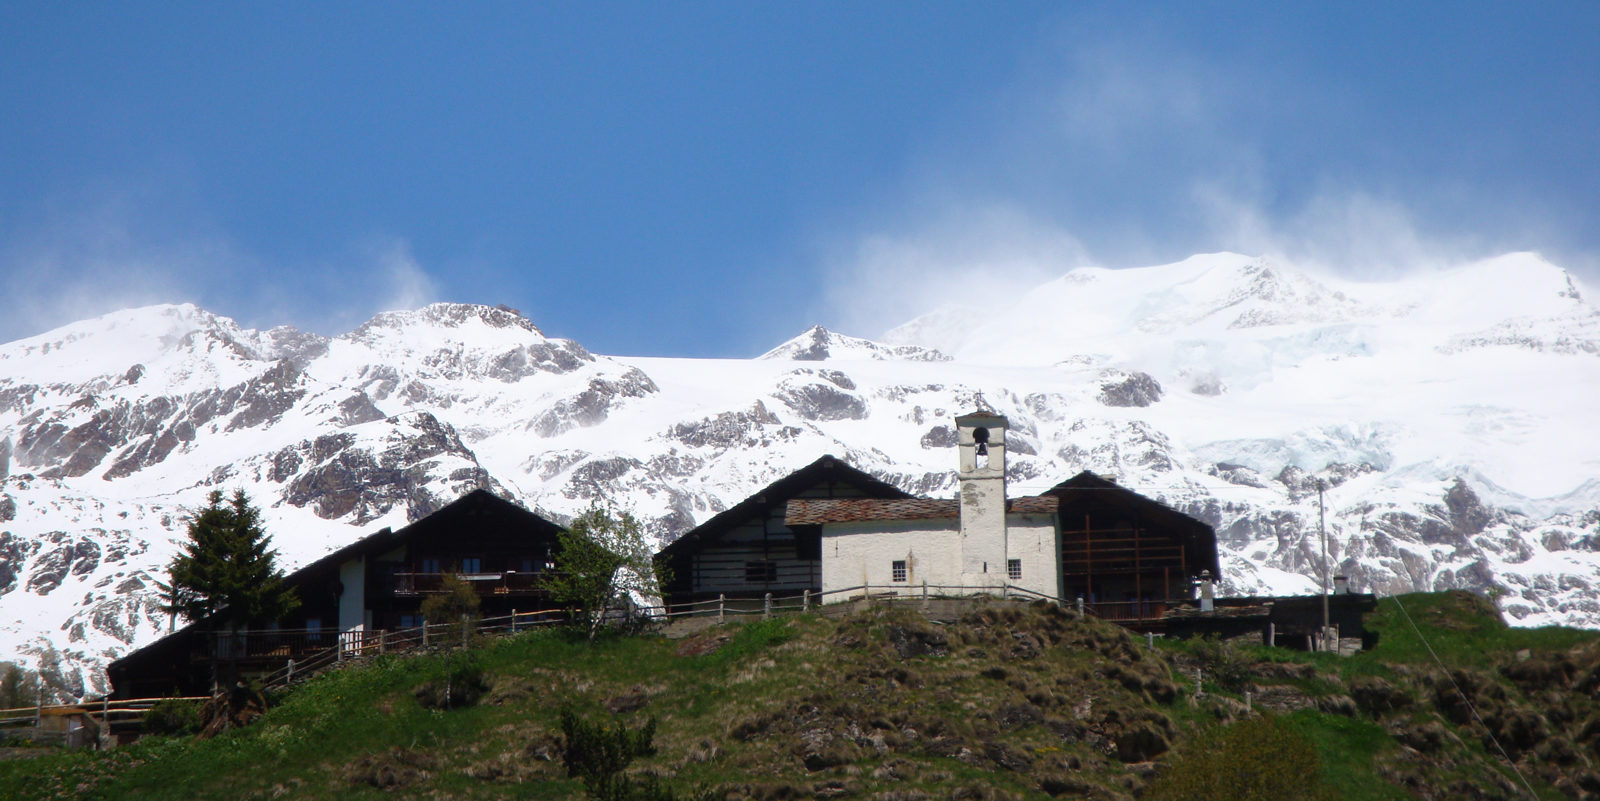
x,y
1207,592
1341,585
981,445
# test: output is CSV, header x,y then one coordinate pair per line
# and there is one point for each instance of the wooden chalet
x,y
375,584
1129,557
748,550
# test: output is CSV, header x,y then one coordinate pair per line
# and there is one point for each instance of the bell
x,y
983,449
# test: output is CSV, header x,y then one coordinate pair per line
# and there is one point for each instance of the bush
x,y
1222,661
462,684
598,755
1254,760
173,717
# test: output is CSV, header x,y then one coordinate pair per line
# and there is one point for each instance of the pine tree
x,y
227,566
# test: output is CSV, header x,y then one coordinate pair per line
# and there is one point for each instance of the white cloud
x,y
124,249
1133,152
409,285
969,256
95,259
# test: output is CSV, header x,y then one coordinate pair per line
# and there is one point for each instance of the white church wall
x,y
1031,539
860,553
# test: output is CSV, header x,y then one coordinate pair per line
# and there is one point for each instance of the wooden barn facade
x,y
1129,557
375,584
748,551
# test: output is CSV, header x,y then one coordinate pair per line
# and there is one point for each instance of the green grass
x,y
1462,628
1348,750
733,716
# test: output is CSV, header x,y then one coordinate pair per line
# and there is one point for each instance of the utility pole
x,y
1322,527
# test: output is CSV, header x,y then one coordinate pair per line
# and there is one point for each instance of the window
x,y
471,564
808,543
430,566
1014,569
411,621
313,629
898,569
760,572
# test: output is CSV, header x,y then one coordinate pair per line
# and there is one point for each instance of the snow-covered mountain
x,y
1448,413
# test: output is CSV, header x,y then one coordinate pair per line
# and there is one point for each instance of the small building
x,y
749,550
375,584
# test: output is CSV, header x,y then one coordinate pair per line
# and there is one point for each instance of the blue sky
x,y
708,179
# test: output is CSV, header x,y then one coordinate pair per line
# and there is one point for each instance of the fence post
x,y
1272,634
383,639
424,632
766,607
805,600
38,712
289,679
1150,639
513,620
338,647
1248,701
722,607
1080,607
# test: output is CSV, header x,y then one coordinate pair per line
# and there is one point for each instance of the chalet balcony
x,y
510,583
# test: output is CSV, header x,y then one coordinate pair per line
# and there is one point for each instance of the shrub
x,y
599,754
174,717
1222,662
462,684
1259,759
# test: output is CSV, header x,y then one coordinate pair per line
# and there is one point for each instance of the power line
x,y
1464,699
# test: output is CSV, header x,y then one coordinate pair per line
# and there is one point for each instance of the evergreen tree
x,y
19,687
227,566
457,605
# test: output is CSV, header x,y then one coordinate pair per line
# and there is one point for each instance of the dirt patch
x,y
393,769
708,642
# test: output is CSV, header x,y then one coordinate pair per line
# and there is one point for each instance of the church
x,y
835,533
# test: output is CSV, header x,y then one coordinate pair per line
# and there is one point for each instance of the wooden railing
x,y
76,725
506,583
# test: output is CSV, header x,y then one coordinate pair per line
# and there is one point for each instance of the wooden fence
x,y
81,725
305,656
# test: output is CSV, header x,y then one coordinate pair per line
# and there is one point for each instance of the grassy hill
x,y
1008,702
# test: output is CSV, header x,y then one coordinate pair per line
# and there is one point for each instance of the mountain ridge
x,y
1450,467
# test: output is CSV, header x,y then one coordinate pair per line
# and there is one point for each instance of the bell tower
x,y
981,445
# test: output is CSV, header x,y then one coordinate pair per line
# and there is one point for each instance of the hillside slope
x,y
1007,702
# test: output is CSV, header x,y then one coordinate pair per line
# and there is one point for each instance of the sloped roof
x,y
811,512
477,503
827,468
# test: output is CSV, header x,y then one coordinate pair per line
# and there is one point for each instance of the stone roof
x,y
811,512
